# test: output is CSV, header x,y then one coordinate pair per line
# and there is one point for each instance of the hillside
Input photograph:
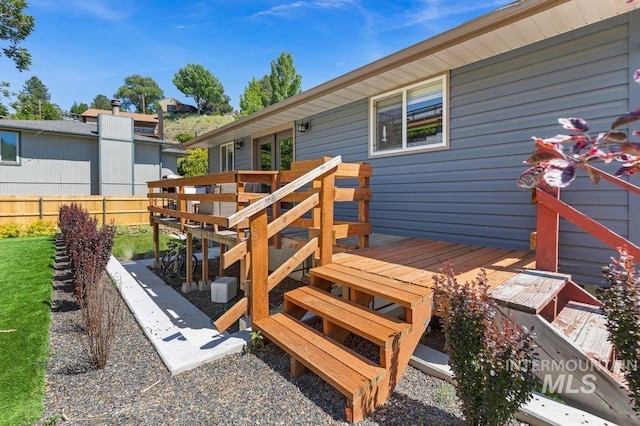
x,y
193,124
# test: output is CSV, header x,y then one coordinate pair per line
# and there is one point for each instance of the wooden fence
x,y
24,210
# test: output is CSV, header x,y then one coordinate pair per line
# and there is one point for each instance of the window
x,y
227,157
413,118
274,151
9,144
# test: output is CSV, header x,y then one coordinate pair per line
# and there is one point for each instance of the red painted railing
x,y
551,208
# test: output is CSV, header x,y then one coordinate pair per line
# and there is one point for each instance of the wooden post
x,y
189,259
259,246
327,195
547,233
156,245
181,205
104,210
41,208
205,260
363,213
275,185
223,249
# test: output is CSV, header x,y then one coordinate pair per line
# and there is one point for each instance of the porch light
x,y
303,126
238,144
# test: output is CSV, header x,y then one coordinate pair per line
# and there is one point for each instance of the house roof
x,y
146,118
67,127
513,26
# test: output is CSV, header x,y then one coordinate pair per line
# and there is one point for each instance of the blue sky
x,y
82,48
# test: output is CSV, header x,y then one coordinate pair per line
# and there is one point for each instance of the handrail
x,y
615,180
279,194
551,208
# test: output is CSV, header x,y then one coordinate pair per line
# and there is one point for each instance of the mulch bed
x,y
251,389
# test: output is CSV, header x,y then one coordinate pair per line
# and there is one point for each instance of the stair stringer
x,y
580,381
396,362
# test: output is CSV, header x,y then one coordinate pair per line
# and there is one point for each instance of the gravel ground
x,y
252,389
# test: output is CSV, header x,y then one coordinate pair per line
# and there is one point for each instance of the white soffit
x,y
498,32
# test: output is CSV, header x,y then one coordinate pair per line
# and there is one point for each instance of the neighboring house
x,y
43,157
170,157
447,124
174,106
143,124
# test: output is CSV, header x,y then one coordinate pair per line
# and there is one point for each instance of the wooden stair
x,y
585,325
572,339
366,383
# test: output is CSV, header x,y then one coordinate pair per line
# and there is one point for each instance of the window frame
x,y
18,137
444,81
229,147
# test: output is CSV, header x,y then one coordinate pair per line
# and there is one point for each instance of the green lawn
x,y
26,275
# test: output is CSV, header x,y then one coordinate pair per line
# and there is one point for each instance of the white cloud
x,y
432,11
101,9
290,9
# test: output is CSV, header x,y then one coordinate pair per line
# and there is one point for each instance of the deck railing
x,y
549,210
301,199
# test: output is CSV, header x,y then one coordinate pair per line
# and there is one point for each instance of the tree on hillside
x,y
78,109
284,81
197,82
253,98
101,102
33,102
194,164
142,93
15,26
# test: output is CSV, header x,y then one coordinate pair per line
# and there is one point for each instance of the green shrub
x,y
143,229
621,306
40,228
10,230
123,230
492,361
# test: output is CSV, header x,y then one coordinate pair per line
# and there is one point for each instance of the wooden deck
x,y
415,261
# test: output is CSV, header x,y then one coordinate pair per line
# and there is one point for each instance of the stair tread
x,y
529,291
396,291
348,372
585,325
358,319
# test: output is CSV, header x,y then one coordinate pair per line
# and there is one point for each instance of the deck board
x,y
415,261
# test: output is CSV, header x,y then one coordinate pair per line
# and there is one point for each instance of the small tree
x,y
33,102
284,81
492,361
101,102
194,164
253,98
78,109
197,82
142,93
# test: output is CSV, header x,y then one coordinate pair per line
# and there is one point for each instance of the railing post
x,y
104,210
181,206
548,230
156,245
41,207
259,273
363,213
327,196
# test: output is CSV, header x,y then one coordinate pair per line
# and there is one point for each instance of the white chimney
x,y
115,107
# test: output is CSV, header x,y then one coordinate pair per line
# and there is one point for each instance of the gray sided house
x,y
73,158
447,123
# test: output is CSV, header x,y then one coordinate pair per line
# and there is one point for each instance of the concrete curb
x,y
182,335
